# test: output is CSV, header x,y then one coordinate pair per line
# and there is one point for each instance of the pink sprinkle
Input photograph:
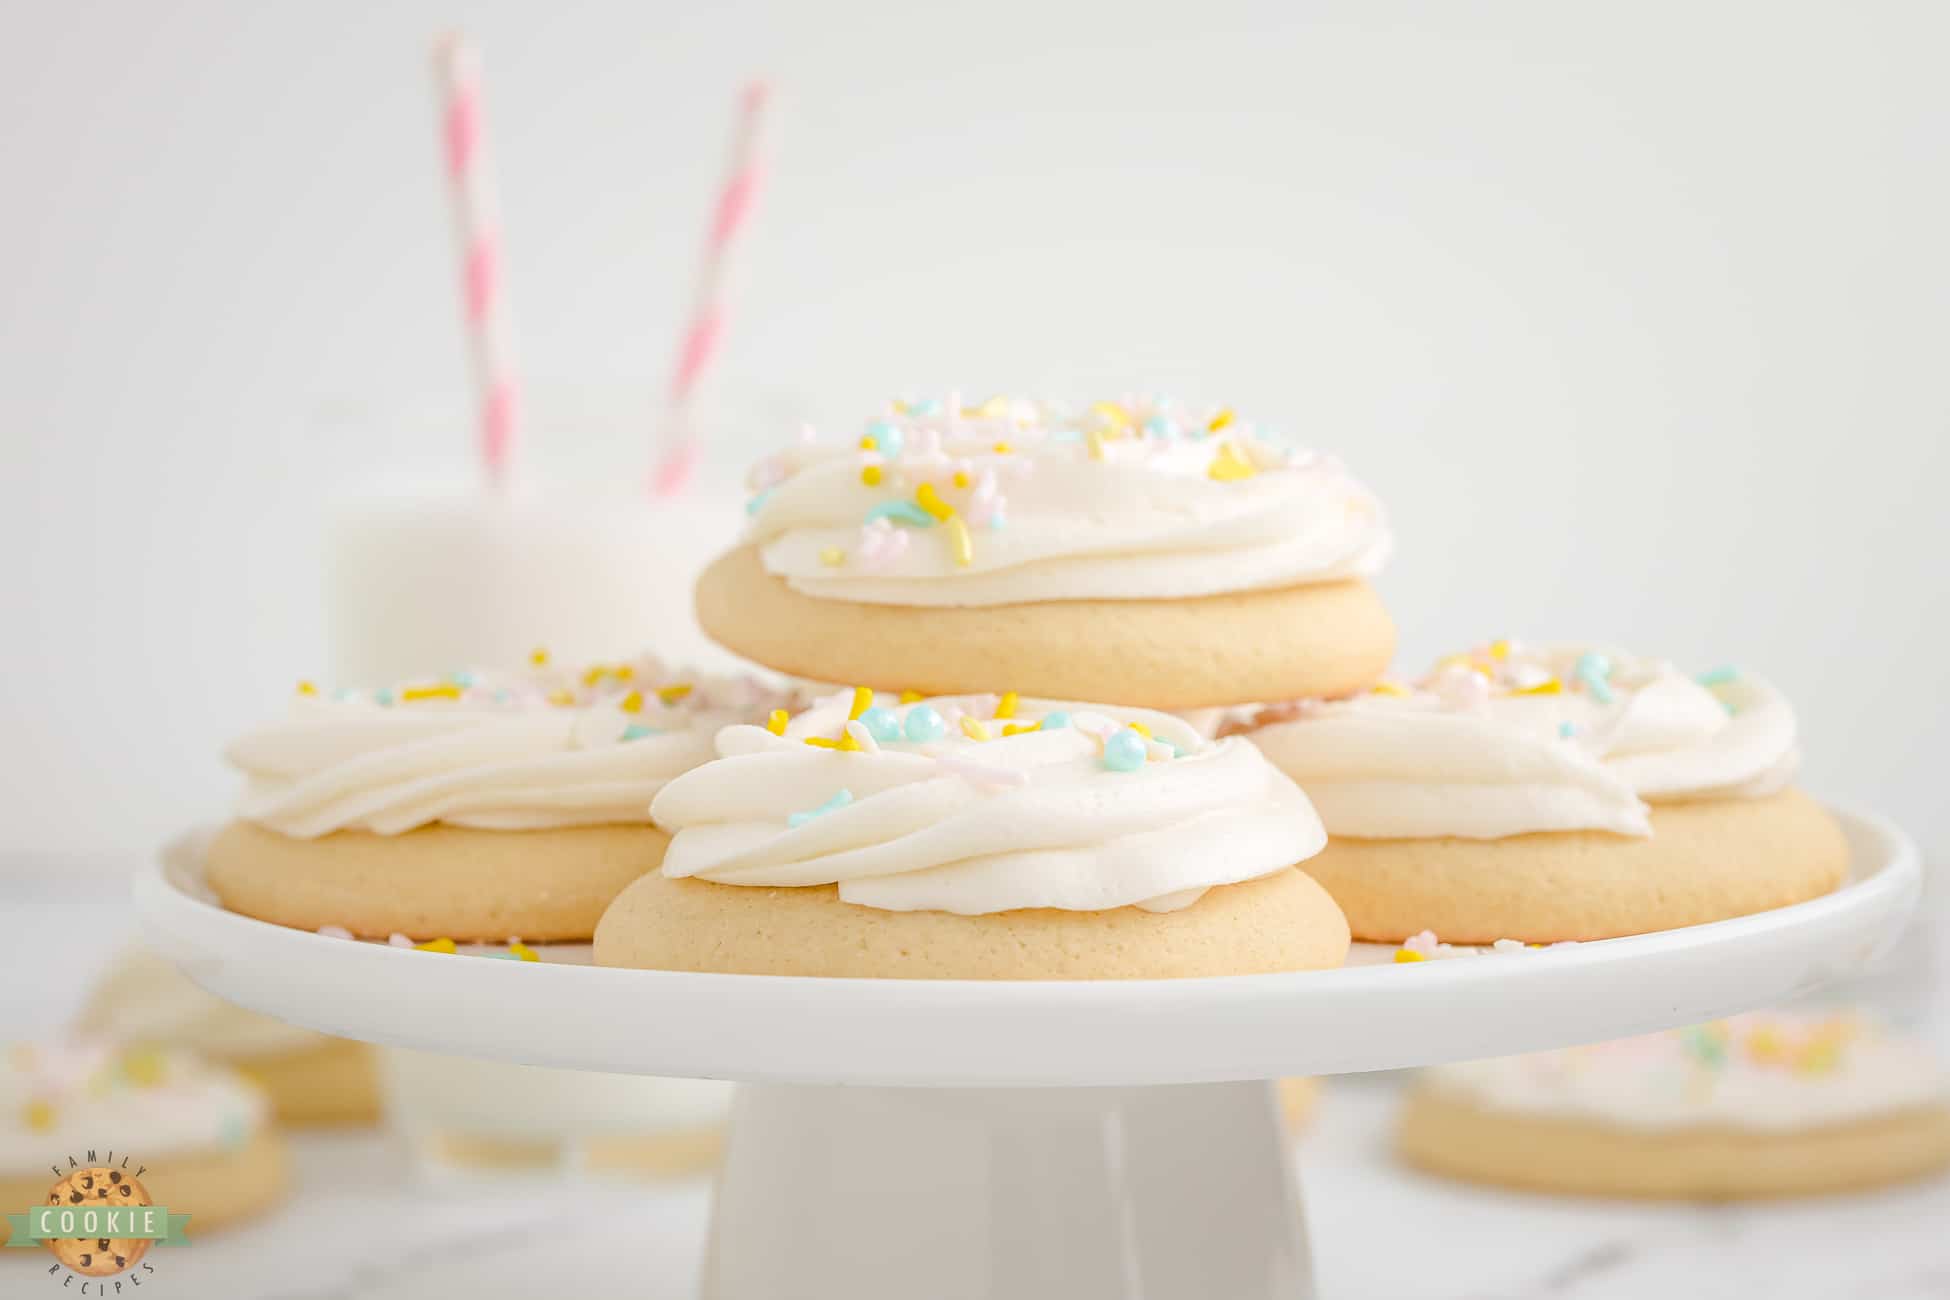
x,y
398,941
334,932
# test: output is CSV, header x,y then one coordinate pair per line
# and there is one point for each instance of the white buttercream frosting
x,y
1038,818
500,751
1508,739
1016,501
1767,1071
61,1099
144,999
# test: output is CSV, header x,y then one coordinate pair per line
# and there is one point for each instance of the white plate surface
x,y
1370,1015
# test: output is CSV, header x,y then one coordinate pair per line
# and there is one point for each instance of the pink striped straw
x,y
699,349
477,226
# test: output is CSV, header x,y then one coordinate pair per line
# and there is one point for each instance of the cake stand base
x,y
1008,1194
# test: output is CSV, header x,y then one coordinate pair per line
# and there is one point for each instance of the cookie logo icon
x,y
97,1186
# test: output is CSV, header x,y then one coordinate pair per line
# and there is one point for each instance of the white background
x,y
1636,315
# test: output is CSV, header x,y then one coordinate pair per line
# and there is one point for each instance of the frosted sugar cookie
x,y
1123,551
478,806
1764,1105
309,1077
1553,793
194,1137
979,838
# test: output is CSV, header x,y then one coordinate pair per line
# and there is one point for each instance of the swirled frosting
x,y
1508,739
1015,501
980,804
1768,1071
144,999
499,751
62,1098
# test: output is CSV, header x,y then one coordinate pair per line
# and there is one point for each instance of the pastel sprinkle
x,y
672,694
1002,449
776,722
832,556
1499,650
1096,441
144,1067
923,724
757,503
1567,729
1549,686
1006,706
872,475
1112,413
383,698
886,438
334,932
882,724
307,688
39,1116
840,799
959,541
905,512
962,480
1718,676
1054,721
1140,728
1408,955
522,951
1017,728
1124,751
631,703
1158,426
637,731
850,743
998,519
862,701
926,406
561,699
1594,670
822,742
1223,417
909,697
538,658
930,500
973,729
442,944
1388,688
1229,465
398,940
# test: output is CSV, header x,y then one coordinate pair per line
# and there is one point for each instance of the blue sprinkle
x,y
1054,721
343,693
1159,427
757,503
384,698
887,438
997,520
1124,751
637,731
1592,669
924,724
905,512
881,724
462,680
926,406
1718,676
839,800
1567,729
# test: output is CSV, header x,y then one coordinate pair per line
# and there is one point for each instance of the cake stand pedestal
x,y
961,1140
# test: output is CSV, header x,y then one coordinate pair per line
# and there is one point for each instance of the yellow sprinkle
x,y
1003,449
909,697
623,672
442,944
1096,440
958,539
1006,706
523,951
1765,1045
38,1116
672,694
1229,466
444,691
538,657
144,1068
961,478
832,556
871,476
631,703
926,497
862,701
1499,649
869,443
822,742
776,723
1220,420
1408,954
973,729
989,409
1112,413
307,688
849,744
1140,728
1388,688
1018,728
1549,686
561,699
1818,1057
594,673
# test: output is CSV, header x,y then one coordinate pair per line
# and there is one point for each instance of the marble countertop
x,y
1379,1230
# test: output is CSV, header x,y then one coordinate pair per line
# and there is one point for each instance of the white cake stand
x,y
1008,1140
